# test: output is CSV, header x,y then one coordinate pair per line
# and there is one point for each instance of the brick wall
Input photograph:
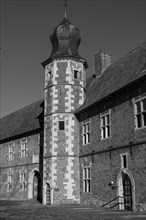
x,y
106,161
18,164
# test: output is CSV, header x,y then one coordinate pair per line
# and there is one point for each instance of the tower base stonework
x,y
61,161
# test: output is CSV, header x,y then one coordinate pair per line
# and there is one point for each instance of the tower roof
x,y
65,39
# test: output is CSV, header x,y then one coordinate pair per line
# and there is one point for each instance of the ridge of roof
x,y
130,52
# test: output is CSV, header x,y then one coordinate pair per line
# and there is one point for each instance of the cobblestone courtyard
x,y
34,211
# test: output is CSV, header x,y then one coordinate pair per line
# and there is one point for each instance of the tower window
x,y
76,74
49,74
61,126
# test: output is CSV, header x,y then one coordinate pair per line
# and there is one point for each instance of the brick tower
x,y
65,79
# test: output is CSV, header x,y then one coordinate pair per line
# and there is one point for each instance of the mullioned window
x,y
24,149
105,119
87,179
9,180
86,132
140,113
11,151
22,180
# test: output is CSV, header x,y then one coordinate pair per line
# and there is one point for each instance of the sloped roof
x,y
21,121
123,72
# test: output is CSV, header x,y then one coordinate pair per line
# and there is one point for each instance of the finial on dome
x,y
65,5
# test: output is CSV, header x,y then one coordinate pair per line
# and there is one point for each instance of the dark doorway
x,y
127,192
37,186
48,194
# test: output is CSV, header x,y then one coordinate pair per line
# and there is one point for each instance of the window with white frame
x,y
9,181
11,151
124,160
87,179
140,113
86,132
23,183
24,150
105,124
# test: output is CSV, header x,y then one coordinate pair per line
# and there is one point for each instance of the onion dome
x,y
65,39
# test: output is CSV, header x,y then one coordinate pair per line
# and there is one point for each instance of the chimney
x,y
102,61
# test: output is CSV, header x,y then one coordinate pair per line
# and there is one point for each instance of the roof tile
x,y
21,121
123,72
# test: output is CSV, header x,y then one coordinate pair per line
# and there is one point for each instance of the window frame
x,y
24,150
10,181
122,160
104,126
11,151
141,113
86,132
87,179
22,180
76,72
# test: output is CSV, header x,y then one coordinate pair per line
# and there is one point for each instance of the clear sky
x,y
115,26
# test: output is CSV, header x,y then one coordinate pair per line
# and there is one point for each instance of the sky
x,y
113,26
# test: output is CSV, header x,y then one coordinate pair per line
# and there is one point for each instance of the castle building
x,y
85,141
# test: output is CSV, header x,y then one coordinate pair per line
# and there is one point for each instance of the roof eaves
x,y
82,109
20,135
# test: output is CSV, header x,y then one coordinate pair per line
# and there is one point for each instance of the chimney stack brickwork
x,y
102,61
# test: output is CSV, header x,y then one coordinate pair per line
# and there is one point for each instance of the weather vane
x,y
65,5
